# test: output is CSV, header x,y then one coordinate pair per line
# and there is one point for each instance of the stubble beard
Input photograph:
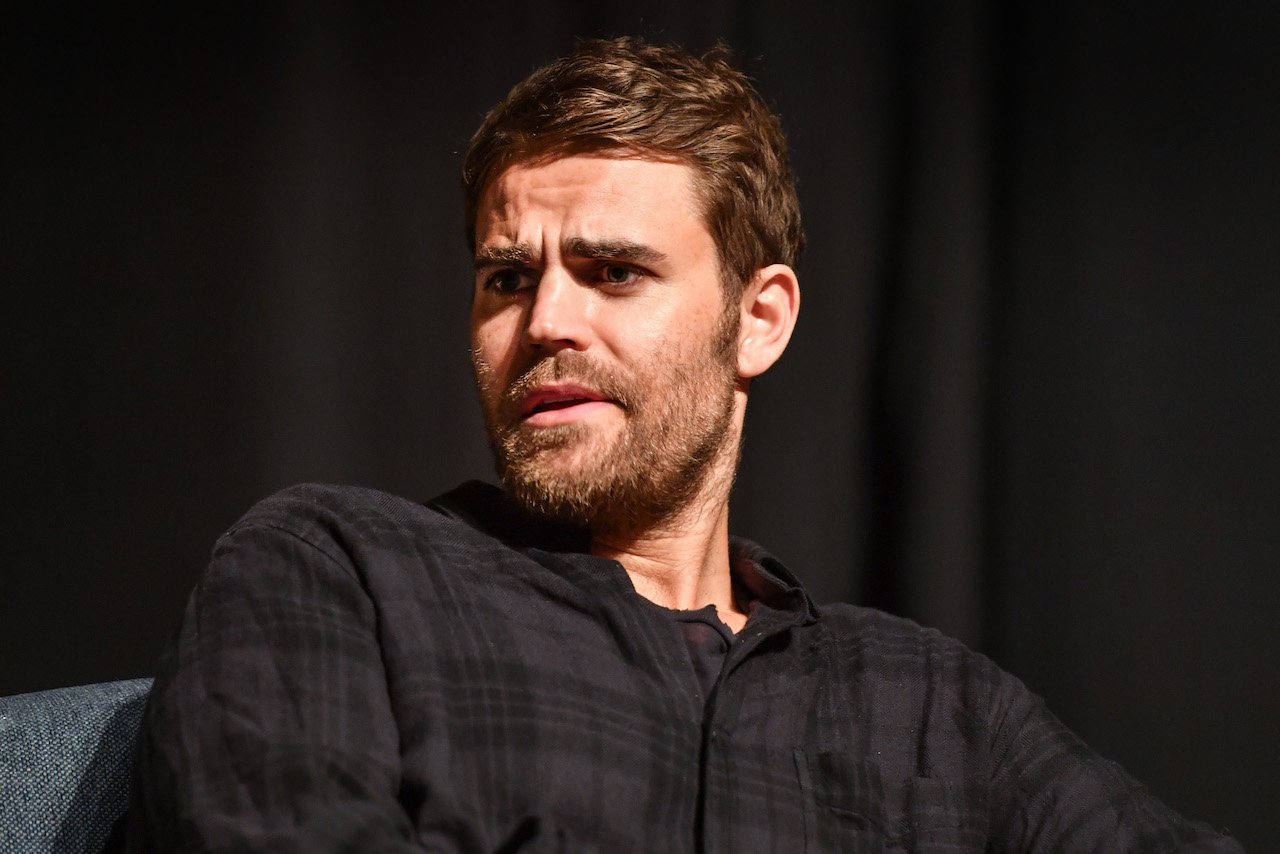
x,y
676,437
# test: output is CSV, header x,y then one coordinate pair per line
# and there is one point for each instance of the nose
x,y
557,317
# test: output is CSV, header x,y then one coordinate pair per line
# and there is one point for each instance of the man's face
x,y
603,351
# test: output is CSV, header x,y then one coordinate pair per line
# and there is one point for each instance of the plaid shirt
x,y
359,672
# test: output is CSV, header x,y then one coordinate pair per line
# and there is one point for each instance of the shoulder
x,y
308,505
334,508
350,525
944,687
896,641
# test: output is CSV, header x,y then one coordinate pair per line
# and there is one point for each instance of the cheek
x,y
495,340
679,330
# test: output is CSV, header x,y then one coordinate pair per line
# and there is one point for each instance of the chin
x,y
567,472
564,500
565,451
570,485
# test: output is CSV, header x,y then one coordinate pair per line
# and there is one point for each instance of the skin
x,y
610,258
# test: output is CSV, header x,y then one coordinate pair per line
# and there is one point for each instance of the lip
x,y
559,403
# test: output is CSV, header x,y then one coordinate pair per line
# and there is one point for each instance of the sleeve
x,y
1053,793
269,726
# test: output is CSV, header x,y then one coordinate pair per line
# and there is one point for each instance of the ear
x,y
770,304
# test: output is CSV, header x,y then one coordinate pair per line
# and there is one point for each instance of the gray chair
x,y
66,757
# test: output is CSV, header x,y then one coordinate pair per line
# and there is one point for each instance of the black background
x,y
1031,400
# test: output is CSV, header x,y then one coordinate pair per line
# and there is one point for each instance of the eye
x,y
618,274
508,281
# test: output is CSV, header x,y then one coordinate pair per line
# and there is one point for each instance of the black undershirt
x,y
708,640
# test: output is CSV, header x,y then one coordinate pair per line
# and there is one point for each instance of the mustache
x,y
570,366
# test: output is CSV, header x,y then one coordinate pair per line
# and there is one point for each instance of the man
x,y
584,660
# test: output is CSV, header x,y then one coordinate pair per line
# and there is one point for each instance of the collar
x,y
488,509
767,581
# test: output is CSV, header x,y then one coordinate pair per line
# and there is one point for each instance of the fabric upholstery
x,y
66,757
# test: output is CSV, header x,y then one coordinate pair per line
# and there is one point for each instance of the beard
x,y
678,413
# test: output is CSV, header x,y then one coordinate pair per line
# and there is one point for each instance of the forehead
x,y
590,196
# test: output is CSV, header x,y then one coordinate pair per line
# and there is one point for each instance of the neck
x,y
683,563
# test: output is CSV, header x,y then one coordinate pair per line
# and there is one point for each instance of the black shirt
x,y
708,640
360,672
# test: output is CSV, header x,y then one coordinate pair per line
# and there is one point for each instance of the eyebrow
x,y
618,249
502,256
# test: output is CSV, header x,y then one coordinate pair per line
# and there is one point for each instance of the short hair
x,y
641,99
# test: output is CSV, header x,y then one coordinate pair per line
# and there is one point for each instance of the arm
x,y
1053,793
269,726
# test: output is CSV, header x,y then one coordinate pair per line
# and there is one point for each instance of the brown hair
x,y
648,100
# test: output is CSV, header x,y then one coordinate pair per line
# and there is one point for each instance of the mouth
x,y
558,404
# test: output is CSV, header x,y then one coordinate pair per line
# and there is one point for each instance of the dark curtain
x,y
1031,400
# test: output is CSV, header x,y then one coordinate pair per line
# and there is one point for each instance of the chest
x,y
588,728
